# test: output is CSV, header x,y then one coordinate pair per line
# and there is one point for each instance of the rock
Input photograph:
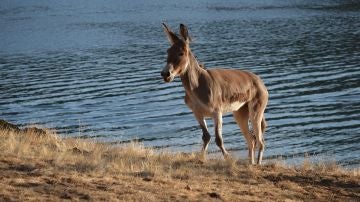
x,y
85,197
76,150
214,195
65,195
4,125
188,187
147,179
34,130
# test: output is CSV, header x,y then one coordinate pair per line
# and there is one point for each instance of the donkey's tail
x,y
263,125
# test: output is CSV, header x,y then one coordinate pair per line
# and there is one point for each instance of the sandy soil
x,y
44,167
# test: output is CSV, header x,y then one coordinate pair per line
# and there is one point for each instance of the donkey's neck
x,y
190,78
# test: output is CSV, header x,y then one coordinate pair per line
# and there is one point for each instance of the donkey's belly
x,y
200,108
230,107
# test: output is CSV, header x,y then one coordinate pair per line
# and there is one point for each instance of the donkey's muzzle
x,y
166,76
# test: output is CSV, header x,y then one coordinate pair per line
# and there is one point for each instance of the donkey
x,y
211,93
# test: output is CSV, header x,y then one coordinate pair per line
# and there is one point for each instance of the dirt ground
x,y
47,168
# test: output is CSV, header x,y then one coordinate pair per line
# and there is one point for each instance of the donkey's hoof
x,y
201,157
227,156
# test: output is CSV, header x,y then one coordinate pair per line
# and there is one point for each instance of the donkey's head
x,y
178,54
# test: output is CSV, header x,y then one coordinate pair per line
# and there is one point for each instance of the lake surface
x,y
91,69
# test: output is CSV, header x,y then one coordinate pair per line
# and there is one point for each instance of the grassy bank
x,y
43,166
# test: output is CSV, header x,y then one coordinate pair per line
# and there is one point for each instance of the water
x,y
91,69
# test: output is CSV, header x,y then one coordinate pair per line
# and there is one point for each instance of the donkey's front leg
x,y
206,135
217,116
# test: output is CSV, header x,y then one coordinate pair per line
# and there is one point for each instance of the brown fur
x,y
210,93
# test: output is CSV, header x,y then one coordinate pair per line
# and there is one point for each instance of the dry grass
x,y
45,167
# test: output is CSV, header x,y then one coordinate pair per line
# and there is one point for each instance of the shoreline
x,y
42,166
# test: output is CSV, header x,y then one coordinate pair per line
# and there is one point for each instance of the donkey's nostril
x,y
165,74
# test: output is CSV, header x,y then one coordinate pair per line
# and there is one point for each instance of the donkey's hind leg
x,y
242,118
256,110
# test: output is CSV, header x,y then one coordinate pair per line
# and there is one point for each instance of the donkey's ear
x,y
184,33
170,35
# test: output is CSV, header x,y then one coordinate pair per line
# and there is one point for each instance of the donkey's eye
x,y
181,54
